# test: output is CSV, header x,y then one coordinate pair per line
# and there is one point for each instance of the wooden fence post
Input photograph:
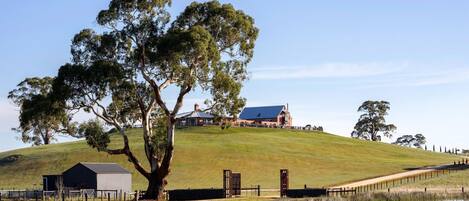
x,y
108,196
258,190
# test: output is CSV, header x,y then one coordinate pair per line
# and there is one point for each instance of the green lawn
x,y
313,158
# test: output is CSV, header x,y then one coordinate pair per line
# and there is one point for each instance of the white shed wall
x,y
119,182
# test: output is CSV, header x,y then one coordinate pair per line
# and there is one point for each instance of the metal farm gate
x,y
236,183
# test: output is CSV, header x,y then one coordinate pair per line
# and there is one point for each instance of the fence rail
x,y
80,195
386,185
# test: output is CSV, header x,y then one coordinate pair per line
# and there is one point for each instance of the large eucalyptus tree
x,y
120,74
372,121
41,118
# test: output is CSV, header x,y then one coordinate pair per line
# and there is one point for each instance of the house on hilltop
x,y
194,118
267,116
272,116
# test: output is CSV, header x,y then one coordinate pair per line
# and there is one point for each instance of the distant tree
x,y
124,71
419,140
405,140
372,124
408,140
355,134
41,117
320,128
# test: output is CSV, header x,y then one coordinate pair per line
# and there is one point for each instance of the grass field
x,y
454,180
313,158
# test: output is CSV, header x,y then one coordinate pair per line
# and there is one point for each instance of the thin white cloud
x,y
418,77
326,70
367,75
443,77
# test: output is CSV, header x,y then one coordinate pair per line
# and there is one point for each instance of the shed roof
x,y
264,112
105,168
194,114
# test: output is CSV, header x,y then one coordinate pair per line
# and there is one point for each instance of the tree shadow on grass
x,y
10,159
456,166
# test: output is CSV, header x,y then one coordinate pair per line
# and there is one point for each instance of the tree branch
x,y
165,163
180,98
156,88
132,158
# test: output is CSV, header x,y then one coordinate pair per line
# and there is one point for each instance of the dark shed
x,y
51,182
99,176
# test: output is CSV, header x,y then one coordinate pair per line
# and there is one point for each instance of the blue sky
x,y
323,58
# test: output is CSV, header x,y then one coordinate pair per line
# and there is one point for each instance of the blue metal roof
x,y
265,112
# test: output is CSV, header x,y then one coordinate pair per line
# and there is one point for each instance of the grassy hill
x,y
313,158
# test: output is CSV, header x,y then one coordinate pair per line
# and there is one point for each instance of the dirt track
x,y
389,177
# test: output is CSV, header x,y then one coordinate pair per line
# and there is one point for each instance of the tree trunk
x,y
156,180
46,137
374,137
155,189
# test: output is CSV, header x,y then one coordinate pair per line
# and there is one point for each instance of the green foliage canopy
x,y
408,140
120,74
41,117
372,122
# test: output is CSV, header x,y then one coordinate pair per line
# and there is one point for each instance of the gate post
x,y
283,182
227,183
235,183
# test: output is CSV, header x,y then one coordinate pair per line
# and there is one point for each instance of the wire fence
x,y
75,195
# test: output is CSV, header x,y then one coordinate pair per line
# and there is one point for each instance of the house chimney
x,y
196,107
